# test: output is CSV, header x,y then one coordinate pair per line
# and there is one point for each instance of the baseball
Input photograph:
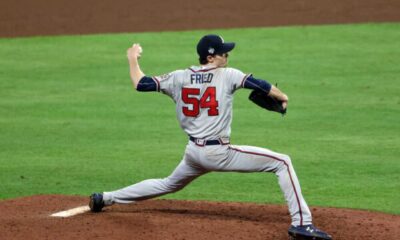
x,y
140,49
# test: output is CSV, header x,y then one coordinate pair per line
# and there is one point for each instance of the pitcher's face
x,y
219,60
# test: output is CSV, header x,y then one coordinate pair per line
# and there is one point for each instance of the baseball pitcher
x,y
203,96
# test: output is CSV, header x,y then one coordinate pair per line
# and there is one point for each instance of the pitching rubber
x,y
71,212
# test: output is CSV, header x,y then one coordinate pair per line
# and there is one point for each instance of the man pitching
x,y
203,96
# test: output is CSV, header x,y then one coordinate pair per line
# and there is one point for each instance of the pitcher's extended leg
x,y
180,177
254,159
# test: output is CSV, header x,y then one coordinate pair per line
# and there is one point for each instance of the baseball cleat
x,y
307,232
96,202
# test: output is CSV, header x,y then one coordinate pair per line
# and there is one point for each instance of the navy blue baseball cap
x,y
213,44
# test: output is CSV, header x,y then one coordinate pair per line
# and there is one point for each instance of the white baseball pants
x,y
199,160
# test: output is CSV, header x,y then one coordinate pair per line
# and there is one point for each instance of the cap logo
x,y
211,50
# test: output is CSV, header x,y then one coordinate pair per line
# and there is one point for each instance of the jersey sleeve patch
x,y
163,77
167,84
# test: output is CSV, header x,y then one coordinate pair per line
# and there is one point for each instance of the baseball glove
x,y
270,103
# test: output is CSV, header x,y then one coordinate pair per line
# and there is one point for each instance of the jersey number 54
x,y
207,100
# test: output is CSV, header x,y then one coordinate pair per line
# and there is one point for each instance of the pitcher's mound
x,y
29,218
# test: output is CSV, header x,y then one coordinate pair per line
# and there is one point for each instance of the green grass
x,y
70,122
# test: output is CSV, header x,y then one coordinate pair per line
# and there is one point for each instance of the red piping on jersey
x,y
157,82
290,175
203,70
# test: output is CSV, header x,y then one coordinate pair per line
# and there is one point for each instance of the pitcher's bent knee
x,y
287,159
285,162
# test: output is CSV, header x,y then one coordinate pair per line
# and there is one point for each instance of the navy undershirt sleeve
x,y
257,84
147,84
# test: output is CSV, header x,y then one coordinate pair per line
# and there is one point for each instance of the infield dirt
x,y
29,217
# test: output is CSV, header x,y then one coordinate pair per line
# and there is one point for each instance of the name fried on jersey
x,y
199,78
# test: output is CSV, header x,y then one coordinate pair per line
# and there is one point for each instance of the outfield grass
x,y
70,122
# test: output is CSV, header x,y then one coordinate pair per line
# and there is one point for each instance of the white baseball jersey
x,y
203,97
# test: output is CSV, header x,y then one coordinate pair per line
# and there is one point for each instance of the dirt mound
x,y
43,17
29,218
